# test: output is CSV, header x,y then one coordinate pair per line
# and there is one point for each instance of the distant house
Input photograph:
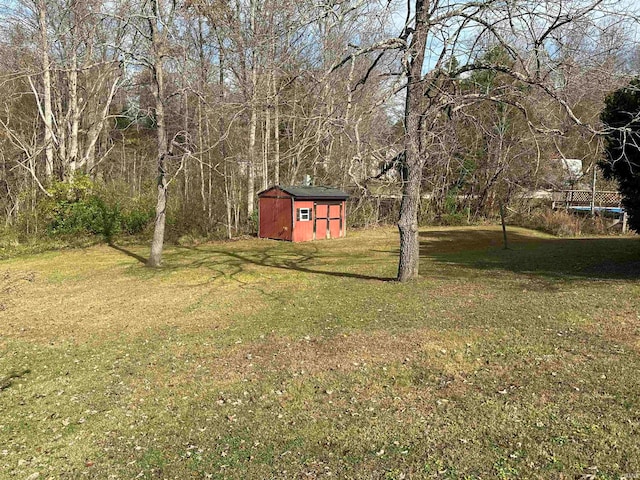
x,y
572,168
302,213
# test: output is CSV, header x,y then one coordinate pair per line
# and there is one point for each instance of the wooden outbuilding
x,y
302,213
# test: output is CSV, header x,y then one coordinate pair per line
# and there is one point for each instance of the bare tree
x,y
46,110
532,33
158,18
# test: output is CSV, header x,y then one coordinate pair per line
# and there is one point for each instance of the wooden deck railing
x,y
586,198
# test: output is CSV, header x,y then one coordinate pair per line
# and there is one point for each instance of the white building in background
x,y
572,169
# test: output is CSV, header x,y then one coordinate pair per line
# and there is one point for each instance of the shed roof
x,y
327,193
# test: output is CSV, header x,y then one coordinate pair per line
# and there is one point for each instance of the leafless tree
x,y
532,33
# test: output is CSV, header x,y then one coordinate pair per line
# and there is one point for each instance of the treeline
x,y
115,114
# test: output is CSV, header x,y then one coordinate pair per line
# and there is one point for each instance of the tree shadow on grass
x,y
270,258
478,249
551,258
227,263
7,380
129,253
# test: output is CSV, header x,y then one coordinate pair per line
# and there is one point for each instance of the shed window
x,y
304,214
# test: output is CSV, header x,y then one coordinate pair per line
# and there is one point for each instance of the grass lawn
x,y
261,359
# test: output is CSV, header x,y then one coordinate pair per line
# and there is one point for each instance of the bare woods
x,y
172,115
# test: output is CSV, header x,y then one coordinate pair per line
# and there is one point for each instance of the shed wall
x,y
303,230
275,216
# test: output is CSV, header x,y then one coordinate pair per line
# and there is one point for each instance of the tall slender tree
x,y
158,33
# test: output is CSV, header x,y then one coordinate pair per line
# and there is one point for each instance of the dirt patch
x,y
619,326
12,284
348,352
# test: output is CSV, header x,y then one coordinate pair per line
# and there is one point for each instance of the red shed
x,y
299,214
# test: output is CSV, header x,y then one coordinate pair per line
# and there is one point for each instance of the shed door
x,y
320,219
275,217
327,220
335,220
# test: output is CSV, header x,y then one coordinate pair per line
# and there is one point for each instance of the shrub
x,y
80,207
554,222
457,219
107,223
135,221
451,211
559,223
76,216
362,213
252,223
564,224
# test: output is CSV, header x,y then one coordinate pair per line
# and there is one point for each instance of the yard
x,y
261,359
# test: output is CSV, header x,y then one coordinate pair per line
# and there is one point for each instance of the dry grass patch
x,y
349,351
91,295
620,325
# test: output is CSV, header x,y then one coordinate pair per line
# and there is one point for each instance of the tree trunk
x,y
251,173
60,124
157,244
227,200
46,79
203,196
72,161
203,83
276,132
185,173
415,154
223,148
504,226
253,121
408,226
207,130
265,148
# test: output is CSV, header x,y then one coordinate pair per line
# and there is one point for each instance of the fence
x,y
578,199
591,201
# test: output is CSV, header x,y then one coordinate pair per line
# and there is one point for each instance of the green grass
x,y
263,359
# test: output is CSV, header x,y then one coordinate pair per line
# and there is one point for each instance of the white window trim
x,y
302,213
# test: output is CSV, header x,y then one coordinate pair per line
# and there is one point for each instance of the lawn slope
x,y
263,359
